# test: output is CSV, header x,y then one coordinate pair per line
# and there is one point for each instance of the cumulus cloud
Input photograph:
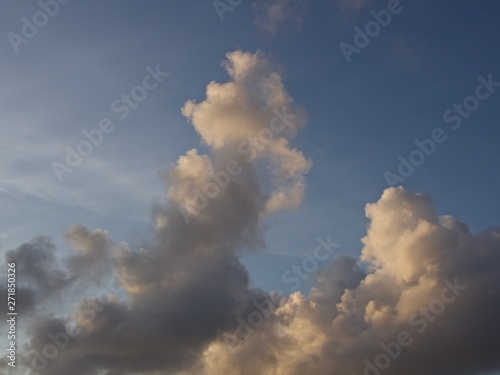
x,y
93,250
238,121
37,263
422,275
43,278
187,289
40,276
427,276
171,306
280,15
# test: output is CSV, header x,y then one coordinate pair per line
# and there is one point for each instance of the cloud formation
x,y
183,292
425,276
170,306
239,120
415,261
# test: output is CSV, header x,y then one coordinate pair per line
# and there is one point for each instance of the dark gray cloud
x,y
37,266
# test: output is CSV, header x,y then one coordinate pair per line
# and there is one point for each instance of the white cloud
x,y
232,115
411,253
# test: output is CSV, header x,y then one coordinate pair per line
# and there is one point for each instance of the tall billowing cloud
x,y
172,298
428,304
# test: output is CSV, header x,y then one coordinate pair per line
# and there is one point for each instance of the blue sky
x,y
362,115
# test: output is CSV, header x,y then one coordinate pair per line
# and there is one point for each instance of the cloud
x,y
413,256
232,121
170,306
280,15
92,248
419,273
41,278
186,289
36,261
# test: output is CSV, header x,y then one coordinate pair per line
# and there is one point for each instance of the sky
x,y
250,187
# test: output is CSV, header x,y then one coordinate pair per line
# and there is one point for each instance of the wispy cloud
x,y
278,16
